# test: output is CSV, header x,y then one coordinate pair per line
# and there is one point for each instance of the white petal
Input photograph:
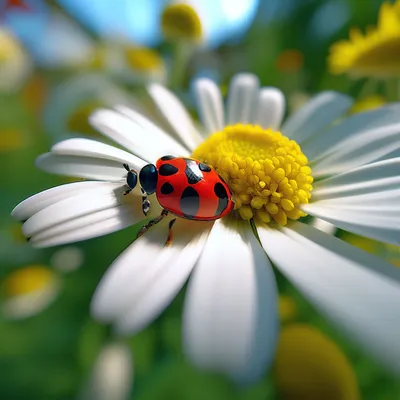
x,y
131,129
81,167
96,229
317,114
176,115
154,133
324,226
209,100
379,199
70,208
378,176
354,189
146,277
230,322
359,139
375,223
121,212
242,98
271,108
92,148
357,291
41,200
124,131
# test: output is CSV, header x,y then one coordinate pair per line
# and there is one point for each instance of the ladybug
x,y
184,187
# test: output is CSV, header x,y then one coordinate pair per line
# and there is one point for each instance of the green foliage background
x,y
49,356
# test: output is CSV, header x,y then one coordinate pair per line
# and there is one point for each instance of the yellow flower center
x,y
181,21
267,173
27,280
142,59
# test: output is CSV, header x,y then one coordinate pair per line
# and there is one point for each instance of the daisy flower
x,y
310,365
207,23
318,163
128,62
29,290
15,65
375,54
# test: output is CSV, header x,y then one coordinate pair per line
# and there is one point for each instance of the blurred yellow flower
x,y
78,120
286,307
128,61
28,290
181,21
363,243
10,139
15,64
389,252
142,58
375,54
393,254
310,366
368,103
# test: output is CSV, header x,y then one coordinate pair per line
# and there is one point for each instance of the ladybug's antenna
x,y
126,166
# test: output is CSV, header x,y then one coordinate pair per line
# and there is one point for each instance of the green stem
x,y
392,89
182,53
368,88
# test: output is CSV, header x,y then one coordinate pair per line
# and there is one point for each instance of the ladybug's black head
x,y
148,178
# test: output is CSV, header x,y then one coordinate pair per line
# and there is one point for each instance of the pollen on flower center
x,y
143,59
267,173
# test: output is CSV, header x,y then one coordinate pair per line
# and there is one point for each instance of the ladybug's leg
x,y
131,179
168,242
152,222
145,203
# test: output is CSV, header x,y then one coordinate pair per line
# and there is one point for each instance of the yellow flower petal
x,y
375,54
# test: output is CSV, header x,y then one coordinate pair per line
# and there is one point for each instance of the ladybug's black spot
x,y
204,167
166,158
222,195
167,170
190,202
220,191
167,188
192,171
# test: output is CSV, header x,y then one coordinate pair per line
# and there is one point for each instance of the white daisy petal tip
x,y
271,108
175,114
210,104
245,79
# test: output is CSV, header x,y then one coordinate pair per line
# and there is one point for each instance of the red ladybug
x,y
184,187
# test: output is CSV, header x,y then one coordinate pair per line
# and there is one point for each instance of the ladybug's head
x,y
148,178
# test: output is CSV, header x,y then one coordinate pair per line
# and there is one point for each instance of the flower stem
x,y
182,53
367,88
392,89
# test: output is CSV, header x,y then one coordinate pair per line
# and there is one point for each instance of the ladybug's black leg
x,y
168,242
145,203
152,222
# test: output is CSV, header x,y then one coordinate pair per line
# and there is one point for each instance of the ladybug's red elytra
x,y
184,187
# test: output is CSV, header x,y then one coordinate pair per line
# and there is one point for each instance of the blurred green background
x,y
49,348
